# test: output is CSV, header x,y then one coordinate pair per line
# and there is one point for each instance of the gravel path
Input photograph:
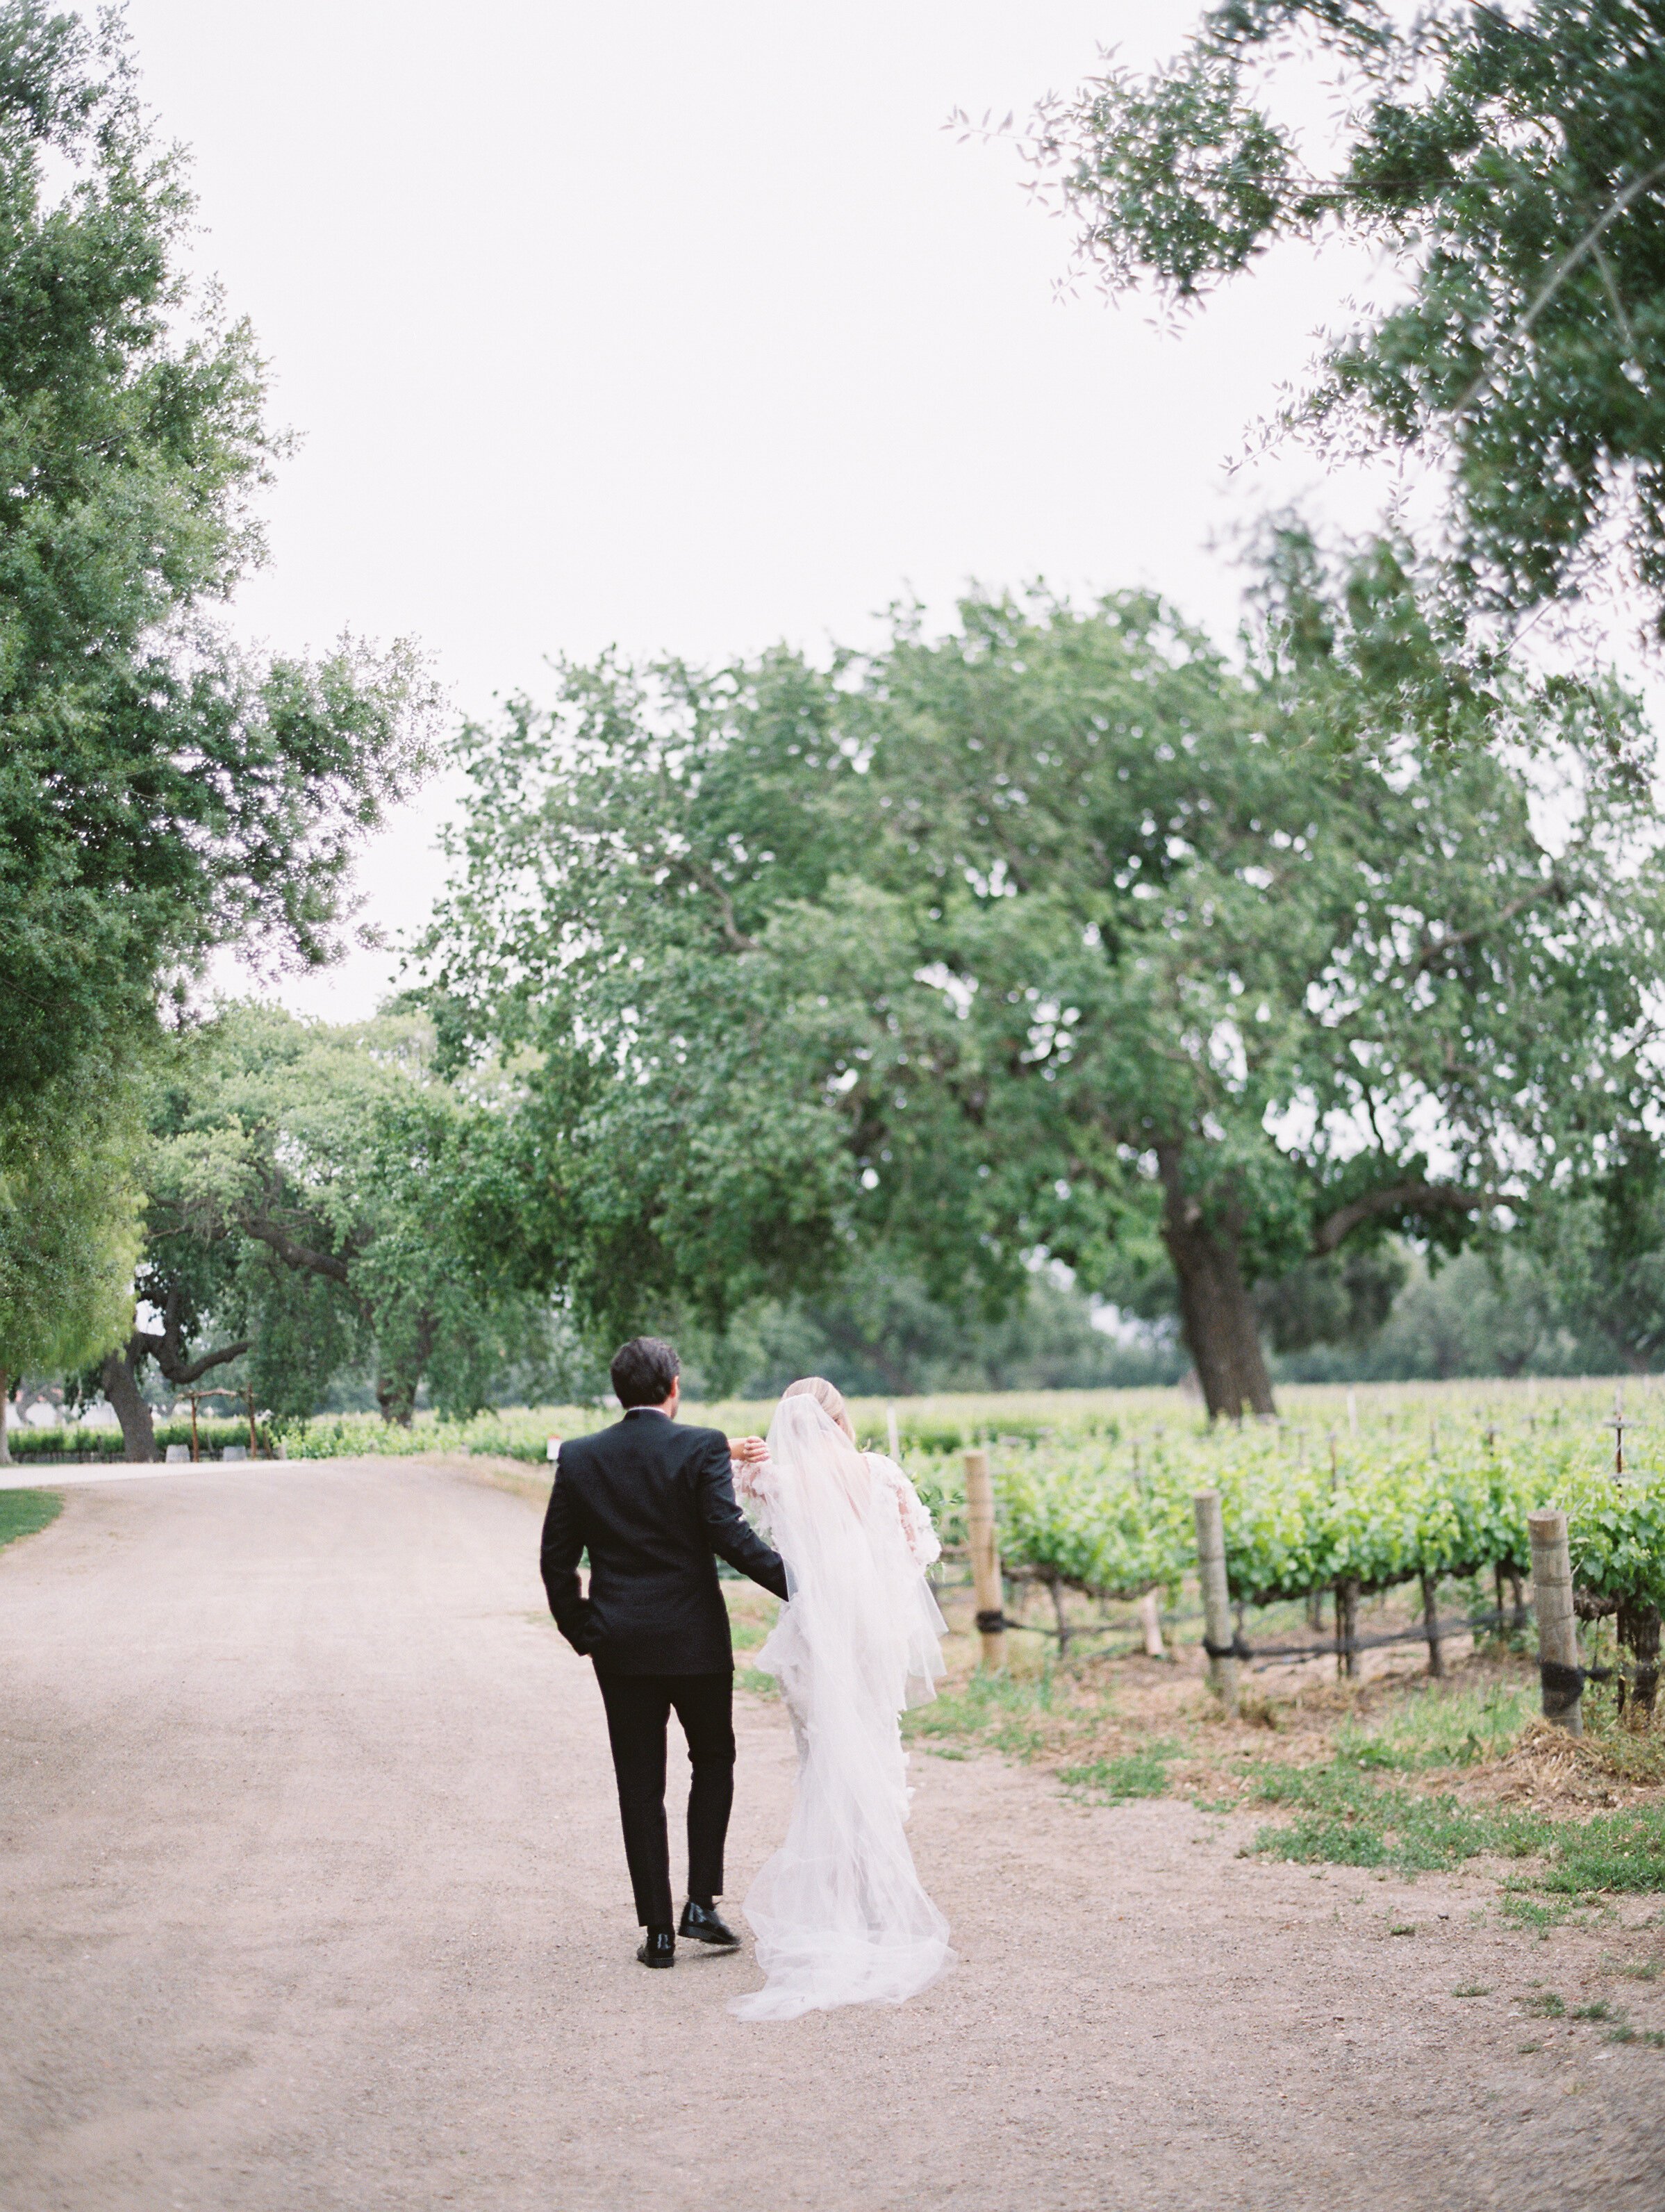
x,y
313,1898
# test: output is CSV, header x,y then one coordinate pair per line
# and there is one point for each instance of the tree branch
x,y
292,1252
1457,939
1397,1198
180,1372
737,936
1518,334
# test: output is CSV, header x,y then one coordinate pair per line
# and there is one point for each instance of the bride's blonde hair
x,y
831,1401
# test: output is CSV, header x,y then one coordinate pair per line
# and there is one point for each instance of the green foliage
x,y
1342,1299
1503,1310
69,1221
1112,1781
26,1512
1439,1726
313,1190
879,1330
1108,1510
520,1434
1345,1818
1062,1519
1054,935
1511,166
34,1446
996,1712
160,792
1616,1532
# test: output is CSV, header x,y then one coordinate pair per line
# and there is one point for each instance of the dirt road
x,y
313,1898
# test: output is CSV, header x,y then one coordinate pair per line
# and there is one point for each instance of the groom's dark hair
x,y
643,1371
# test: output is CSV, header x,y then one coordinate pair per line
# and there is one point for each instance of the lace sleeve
x,y
917,1532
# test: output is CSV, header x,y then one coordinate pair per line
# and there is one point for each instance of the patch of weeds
x,y
755,1680
1473,1990
1438,1727
1529,1912
1623,1850
1544,2004
1213,1804
1526,2049
747,1635
1351,1818
1347,1818
1597,2011
1403,1928
26,1512
1654,2038
1642,1970
1634,1755
1006,1712
1141,1773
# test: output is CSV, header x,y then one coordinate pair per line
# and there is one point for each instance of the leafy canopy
x,y
310,1190
1510,166
1008,941
69,1200
161,792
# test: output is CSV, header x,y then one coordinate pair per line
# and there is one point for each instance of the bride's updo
x,y
831,1401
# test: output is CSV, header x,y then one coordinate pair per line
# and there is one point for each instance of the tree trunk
x,y
398,1384
1222,1333
1638,1634
1347,1627
5,1409
121,1387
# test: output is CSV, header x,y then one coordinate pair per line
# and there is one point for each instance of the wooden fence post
x,y
1216,1598
1558,1625
1149,1622
985,1559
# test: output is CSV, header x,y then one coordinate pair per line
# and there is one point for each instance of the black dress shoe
x,y
705,1926
659,1949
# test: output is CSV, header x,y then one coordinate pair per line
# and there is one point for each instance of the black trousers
x,y
638,1723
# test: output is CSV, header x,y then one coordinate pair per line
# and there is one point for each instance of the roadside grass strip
x,y
1141,1773
26,1512
1344,1816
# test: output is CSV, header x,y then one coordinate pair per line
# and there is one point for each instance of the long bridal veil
x,y
839,1913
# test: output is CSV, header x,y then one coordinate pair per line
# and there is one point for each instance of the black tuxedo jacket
x,y
650,1501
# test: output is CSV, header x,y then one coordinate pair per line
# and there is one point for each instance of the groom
x,y
651,1502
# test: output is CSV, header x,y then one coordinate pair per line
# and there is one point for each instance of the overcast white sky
x,y
688,327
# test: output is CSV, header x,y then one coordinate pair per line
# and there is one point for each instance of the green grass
x,y
1347,1817
1437,1726
26,1512
755,1680
996,1712
1141,1773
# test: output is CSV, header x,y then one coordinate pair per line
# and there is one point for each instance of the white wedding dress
x,y
839,1913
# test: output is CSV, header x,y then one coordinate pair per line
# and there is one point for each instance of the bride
x,y
838,1911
